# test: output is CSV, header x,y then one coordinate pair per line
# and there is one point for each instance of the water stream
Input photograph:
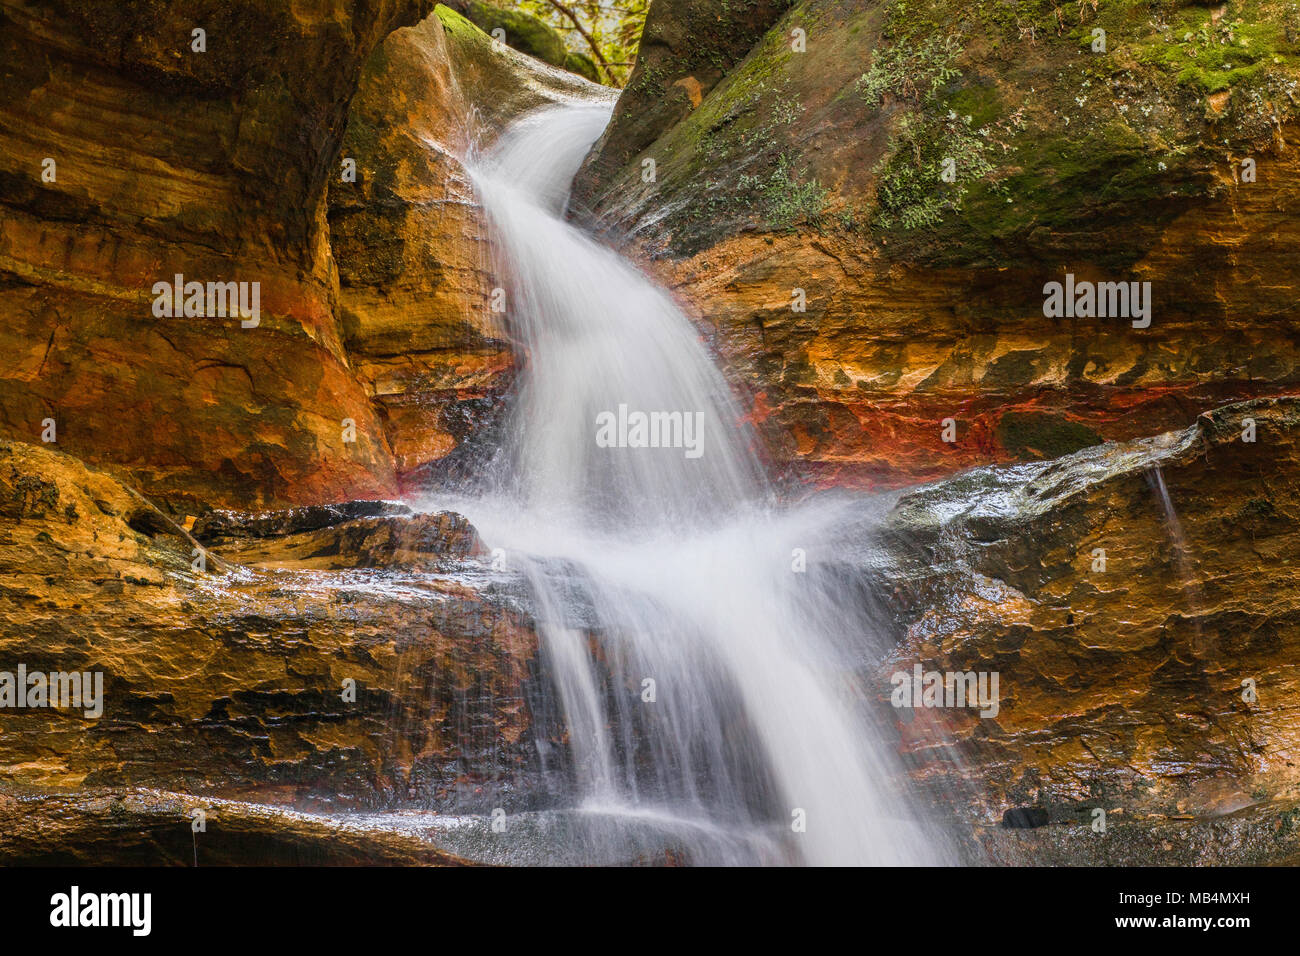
x,y
710,686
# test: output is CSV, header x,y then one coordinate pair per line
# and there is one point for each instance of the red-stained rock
x,y
1122,684
923,304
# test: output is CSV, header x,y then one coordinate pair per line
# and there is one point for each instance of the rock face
x,y
803,209
140,827
393,540
413,257
686,47
372,682
1140,603
1127,596
135,150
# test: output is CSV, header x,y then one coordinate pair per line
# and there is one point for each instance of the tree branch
x,y
591,41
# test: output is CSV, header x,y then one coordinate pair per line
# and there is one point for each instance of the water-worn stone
x,y
377,685
218,165
140,827
1143,651
428,541
410,242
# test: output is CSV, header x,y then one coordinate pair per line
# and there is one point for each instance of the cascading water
x,y
708,687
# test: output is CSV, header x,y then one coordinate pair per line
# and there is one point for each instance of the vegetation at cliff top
x,y
953,129
1134,78
606,30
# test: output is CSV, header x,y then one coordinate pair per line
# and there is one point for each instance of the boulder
x,y
1139,603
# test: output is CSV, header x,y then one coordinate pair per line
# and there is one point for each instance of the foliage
x,y
912,192
786,199
912,72
608,31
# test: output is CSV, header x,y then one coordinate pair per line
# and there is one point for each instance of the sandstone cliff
x,y
820,163
328,662
1140,603
1122,684
134,149
410,243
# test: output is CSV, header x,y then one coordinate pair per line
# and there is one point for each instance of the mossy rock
x,y
524,32
583,65
957,133
1041,435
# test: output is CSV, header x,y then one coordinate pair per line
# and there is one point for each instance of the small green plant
x,y
912,72
934,153
785,199
912,192
789,201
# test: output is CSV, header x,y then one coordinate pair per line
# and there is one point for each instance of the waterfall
x,y
710,687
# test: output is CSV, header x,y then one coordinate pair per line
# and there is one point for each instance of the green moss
x,y
979,101
736,145
459,27
1056,177
1211,57
1041,435
523,32
1042,132
583,65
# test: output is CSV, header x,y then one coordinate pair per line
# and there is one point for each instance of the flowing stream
x,y
710,687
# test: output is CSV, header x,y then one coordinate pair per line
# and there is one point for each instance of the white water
x,y
647,563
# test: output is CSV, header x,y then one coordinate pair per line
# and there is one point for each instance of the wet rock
x,y
410,243
139,827
380,685
428,541
217,526
374,353
1024,818
1264,835
1139,602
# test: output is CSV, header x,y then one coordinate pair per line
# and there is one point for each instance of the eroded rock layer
x,y
181,146
412,249
355,659
864,212
135,150
1140,605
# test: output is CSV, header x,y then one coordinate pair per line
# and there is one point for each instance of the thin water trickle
x,y
1181,556
720,690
